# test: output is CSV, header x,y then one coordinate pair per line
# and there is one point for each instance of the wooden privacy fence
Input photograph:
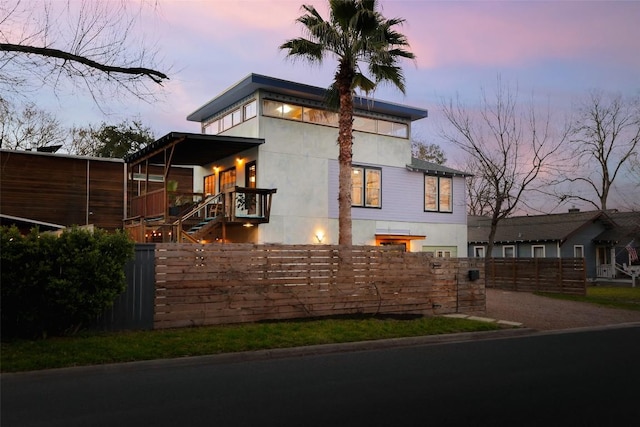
x,y
557,275
235,283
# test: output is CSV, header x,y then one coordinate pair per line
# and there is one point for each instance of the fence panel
x,y
134,308
555,275
235,283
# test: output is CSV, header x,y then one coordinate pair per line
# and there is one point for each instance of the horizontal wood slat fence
x,y
234,283
557,275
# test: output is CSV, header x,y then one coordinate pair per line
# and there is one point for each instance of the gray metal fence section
x,y
134,308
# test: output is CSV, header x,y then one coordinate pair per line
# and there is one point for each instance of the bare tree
x,y
28,129
509,145
90,44
606,138
479,195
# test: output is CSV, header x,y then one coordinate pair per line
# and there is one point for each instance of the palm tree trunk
x,y
345,155
345,144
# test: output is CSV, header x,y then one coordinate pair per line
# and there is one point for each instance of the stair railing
x,y
211,207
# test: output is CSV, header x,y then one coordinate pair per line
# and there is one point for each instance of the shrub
x,y
54,285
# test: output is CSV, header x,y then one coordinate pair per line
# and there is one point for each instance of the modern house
x,y
265,170
607,240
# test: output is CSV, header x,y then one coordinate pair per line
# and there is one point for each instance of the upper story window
x,y
478,251
366,184
578,251
438,194
231,119
250,110
284,110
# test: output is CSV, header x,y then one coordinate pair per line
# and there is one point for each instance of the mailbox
x,y
474,274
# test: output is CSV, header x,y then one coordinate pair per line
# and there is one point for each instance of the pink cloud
x,y
517,33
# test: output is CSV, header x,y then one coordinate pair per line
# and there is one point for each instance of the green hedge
x,y
53,285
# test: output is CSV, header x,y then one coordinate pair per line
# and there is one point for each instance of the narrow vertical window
x,y
210,184
430,193
357,181
373,188
250,110
445,195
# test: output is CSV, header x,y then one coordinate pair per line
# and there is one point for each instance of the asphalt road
x,y
569,378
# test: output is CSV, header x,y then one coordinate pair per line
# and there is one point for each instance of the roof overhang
x,y
431,168
400,236
192,149
254,82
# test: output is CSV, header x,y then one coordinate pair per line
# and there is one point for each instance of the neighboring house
x,y
605,239
53,191
265,170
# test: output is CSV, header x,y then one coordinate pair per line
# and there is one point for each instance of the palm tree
x,y
355,33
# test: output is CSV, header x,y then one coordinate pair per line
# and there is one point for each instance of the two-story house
x,y
270,147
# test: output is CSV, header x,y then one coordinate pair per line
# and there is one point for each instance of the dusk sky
x,y
557,50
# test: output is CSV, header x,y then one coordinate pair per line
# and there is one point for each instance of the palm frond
x,y
303,48
360,81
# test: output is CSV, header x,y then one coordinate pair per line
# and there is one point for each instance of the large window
x,y
227,179
366,184
438,194
290,111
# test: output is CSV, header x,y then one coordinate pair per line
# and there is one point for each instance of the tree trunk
x,y
344,77
345,144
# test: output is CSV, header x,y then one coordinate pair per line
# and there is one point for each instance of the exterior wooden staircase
x,y
239,206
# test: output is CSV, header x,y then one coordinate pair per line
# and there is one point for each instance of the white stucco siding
x,y
291,137
381,150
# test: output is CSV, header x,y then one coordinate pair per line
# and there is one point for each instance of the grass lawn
x,y
615,297
99,348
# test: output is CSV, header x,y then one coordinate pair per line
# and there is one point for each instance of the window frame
x,y
363,189
437,198
222,174
504,251
575,250
479,251
533,251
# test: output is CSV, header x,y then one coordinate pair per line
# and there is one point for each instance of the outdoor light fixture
x,y
320,236
247,224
